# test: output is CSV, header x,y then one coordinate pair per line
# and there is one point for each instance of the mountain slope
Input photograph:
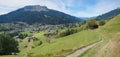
x,y
62,46
110,34
113,25
38,14
109,14
112,48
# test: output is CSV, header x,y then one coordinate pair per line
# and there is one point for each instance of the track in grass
x,y
82,50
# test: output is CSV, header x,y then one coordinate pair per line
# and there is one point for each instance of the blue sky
x,y
79,8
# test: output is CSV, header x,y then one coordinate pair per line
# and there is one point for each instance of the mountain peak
x,y
35,8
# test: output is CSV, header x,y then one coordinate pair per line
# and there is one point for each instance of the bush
x,y
101,23
83,27
40,43
7,45
68,32
22,36
91,24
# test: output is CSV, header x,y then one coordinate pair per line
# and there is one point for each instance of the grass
x,y
113,25
114,46
27,32
64,45
11,56
93,51
25,42
111,33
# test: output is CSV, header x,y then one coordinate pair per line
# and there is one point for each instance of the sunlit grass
x,y
69,43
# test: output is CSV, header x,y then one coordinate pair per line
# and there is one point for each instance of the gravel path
x,y
80,51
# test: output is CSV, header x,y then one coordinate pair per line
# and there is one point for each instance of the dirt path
x,y
82,50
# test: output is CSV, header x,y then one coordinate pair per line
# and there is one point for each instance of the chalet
x,y
32,39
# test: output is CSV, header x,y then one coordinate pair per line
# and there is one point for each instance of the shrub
x,y
91,24
68,32
83,27
7,45
40,43
101,23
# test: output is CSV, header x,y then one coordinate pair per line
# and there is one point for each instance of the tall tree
x,y
7,44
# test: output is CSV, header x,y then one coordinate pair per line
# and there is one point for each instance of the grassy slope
x,y
25,42
24,51
66,44
113,25
113,46
61,46
92,51
12,56
110,30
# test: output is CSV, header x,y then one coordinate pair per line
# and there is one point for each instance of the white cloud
x,y
52,4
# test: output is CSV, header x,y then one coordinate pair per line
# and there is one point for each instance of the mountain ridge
x,y
38,14
36,8
109,14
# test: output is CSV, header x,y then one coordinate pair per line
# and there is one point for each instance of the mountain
x,y
109,14
38,14
84,18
